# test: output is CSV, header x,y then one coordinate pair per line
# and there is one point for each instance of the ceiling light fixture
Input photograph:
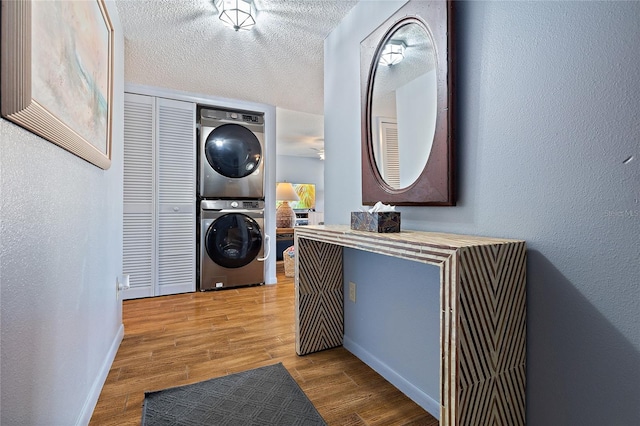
x,y
237,14
392,53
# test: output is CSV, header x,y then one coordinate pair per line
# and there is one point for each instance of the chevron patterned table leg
x,y
319,296
492,335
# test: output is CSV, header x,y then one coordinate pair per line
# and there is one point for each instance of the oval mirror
x,y
402,124
407,131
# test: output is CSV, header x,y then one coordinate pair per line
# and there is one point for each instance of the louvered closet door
x,y
176,196
139,214
391,156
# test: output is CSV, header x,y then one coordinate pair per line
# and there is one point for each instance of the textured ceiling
x,y
182,45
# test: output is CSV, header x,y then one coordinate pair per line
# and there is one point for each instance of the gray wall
x,y
60,252
547,97
389,314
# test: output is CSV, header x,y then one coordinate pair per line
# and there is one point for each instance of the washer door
x,y
233,240
233,150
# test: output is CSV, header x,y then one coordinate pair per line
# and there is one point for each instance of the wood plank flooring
x,y
181,339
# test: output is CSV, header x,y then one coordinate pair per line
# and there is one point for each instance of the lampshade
x,y
392,53
237,14
285,192
285,216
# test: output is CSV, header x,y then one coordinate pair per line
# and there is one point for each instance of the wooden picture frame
x,y
56,73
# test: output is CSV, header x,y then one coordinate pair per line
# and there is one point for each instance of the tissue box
x,y
376,222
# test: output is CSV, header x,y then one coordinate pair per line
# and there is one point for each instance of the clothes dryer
x,y
231,243
231,154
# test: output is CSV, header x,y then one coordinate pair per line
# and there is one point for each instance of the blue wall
x,y
394,324
547,113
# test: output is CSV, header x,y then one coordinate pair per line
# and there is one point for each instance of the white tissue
x,y
381,207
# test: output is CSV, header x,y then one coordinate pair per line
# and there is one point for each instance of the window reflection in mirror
x,y
403,124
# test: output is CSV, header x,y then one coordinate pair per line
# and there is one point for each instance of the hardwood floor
x,y
181,339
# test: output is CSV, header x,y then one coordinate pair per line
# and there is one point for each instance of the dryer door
x,y
233,240
233,150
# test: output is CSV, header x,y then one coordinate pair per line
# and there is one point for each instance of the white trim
x,y
409,389
155,121
96,388
180,95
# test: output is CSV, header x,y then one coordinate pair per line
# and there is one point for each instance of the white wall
x,y
60,253
416,124
302,170
547,96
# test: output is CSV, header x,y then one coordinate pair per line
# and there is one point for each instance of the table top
x,y
423,238
284,230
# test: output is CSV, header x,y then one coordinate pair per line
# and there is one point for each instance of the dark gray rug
x,y
261,397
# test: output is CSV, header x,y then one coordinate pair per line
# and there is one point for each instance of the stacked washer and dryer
x,y
231,198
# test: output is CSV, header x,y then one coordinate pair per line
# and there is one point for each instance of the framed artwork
x,y
307,194
57,73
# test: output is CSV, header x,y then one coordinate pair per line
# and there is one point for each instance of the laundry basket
x,y
289,257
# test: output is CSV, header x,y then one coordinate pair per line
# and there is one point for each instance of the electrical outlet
x,y
122,283
352,291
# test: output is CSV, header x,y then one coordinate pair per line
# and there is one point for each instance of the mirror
x,y
402,124
407,148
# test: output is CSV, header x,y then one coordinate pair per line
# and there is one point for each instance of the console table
x,y
482,303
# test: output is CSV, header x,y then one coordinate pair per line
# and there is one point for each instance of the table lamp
x,y
285,216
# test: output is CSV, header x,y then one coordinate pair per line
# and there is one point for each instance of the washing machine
x,y
231,154
232,242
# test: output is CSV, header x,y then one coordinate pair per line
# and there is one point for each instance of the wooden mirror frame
x,y
435,186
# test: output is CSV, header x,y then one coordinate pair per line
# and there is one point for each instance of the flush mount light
x,y
392,53
237,14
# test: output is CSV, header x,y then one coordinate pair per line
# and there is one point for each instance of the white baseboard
x,y
418,396
94,393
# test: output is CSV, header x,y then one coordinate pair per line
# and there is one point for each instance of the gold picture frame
x,y
56,73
